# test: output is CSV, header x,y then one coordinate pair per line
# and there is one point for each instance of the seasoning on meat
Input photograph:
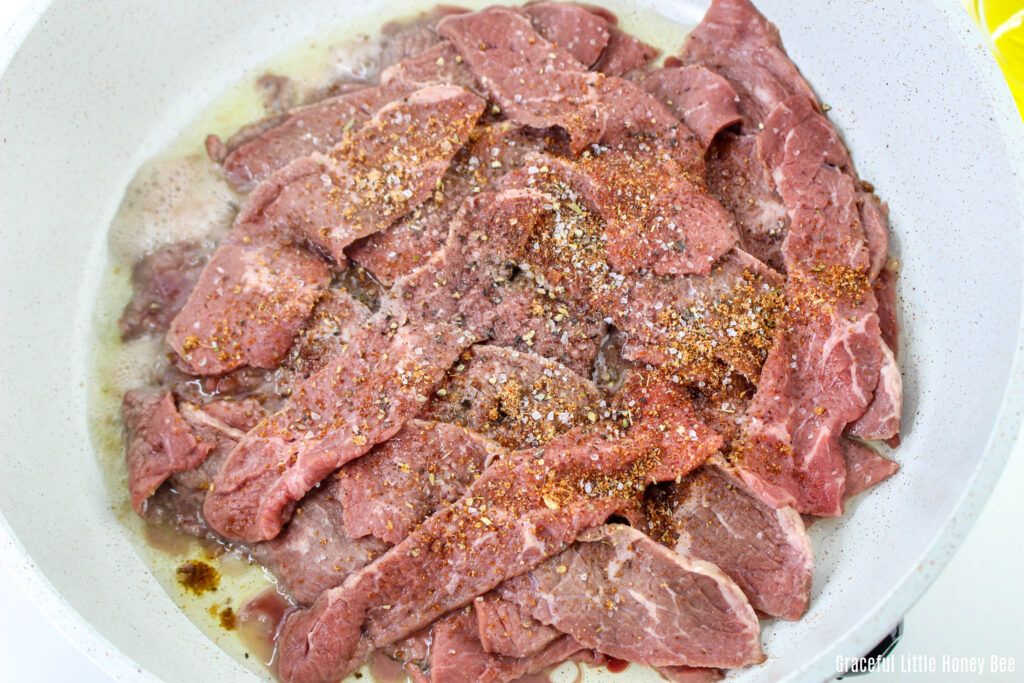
x,y
502,288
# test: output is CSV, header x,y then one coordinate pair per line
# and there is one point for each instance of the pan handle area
x,y
869,662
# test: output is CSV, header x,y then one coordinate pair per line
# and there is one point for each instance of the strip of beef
x,y
701,327
656,215
881,420
370,178
620,593
828,351
571,27
248,304
688,322
333,323
255,294
541,85
505,629
817,379
362,397
699,97
215,427
736,41
469,282
222,423
161,283
624,54
365,394
404,39
523,509
255,153
530,322
518,399
510,59
710,516
492,150
160,443
874,216
864,466
689,674
884,413
808,163
458,655
737,178
390,490
885,293
463,283
313,553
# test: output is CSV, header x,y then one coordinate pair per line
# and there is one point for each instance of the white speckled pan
x,y
91,89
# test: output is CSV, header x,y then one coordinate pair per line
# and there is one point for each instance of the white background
x,y
974,609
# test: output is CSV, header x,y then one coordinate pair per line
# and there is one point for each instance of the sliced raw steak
x,y
523,509
689,674
807,162
468,282
885,293
390,490
620,593
530,322
507,630
735,40
817,379
313,553
222,423
534,82
518,399
249,302
688,322
738,42
737,178
335,321
362,397
216,427
874,216
571,27
881,421
864,466
463,283
458,655
701,327
699,97
656,216
372,177
541,85
624,54
161,283
492,150
240,313
405,39
256,152
828,352
710,516
160,443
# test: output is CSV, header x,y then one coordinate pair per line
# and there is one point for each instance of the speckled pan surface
x,y
91,89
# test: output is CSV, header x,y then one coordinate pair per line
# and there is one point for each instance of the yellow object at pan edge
x,y
1003,22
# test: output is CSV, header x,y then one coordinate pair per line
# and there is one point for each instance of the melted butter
x,y
178,195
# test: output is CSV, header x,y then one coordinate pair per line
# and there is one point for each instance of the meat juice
x,y
179,195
